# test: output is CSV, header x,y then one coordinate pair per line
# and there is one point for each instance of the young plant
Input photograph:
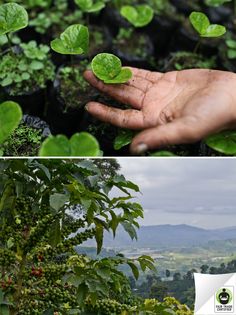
x,y
108,68
80,144
204,28
73,41
138,16
10,117
13,17
27,70
90,6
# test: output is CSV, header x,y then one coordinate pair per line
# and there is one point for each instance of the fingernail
x,y
86,107
141,148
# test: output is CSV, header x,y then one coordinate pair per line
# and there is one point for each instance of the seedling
x,y
108,68
13,17
90,6
204,28
10,117
80,144
73,41
138,16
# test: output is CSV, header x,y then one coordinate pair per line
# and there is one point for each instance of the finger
x,y
121,92
177,132
129,118
151,76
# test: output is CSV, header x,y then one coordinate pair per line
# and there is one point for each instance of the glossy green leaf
x,y
123,139
13,17
139,15
108,68
10,117
80,144
224,142
202,25
73,41
199,21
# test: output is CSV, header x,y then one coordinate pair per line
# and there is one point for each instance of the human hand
x,y
174,108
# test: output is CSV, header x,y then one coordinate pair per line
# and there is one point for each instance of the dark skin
x,y
170,108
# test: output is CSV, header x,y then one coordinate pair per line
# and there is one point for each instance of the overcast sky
x,y
198,192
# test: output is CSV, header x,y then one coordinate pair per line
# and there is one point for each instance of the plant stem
x,y
195,51
9,44
17,294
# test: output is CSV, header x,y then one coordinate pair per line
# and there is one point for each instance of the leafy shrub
x,y
202,25
27,70
138,16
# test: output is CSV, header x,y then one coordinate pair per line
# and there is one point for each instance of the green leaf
x,y
36,65
123,139
139,16
10,117
202,25
215,30
13,17
80,144
99,236
124,76
73,41
129,229
25,76
58,200
224,142
108,68
199,21
134,269
7,81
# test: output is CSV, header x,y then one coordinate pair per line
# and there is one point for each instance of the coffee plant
x,y
41,269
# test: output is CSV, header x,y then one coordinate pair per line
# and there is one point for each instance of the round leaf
x,y
73,41
13,17
215,30
224,142
138,16
199,21
108,68
84,144
10,117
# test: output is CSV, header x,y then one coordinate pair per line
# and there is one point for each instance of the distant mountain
x,y
171,236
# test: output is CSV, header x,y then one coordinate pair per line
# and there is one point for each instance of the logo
x,y
224,300
215,294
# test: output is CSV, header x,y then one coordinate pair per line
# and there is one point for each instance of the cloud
x,y
190,189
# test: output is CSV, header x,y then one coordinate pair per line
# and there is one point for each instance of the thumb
x,y
177,132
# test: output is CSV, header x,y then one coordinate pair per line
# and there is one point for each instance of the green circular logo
x,y
224,296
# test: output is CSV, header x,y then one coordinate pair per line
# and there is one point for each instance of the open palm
x,y
173,108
